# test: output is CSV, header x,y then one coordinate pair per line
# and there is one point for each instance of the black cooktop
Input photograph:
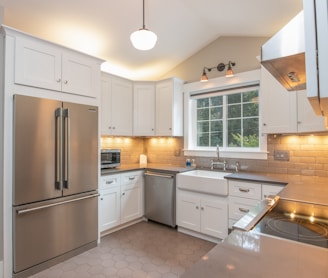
x,y
303,222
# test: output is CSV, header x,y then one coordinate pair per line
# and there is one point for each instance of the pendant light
x,y
143,39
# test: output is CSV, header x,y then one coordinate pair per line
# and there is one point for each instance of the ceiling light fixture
x,y
219,67
143,39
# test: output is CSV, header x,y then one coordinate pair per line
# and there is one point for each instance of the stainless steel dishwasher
x,y
160,197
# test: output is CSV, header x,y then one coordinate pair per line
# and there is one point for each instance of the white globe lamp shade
x,y
143,39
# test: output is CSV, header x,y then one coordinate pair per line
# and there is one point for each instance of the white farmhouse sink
x,y
210,182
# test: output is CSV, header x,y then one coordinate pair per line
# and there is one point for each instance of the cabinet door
x,y
214,218
188,211
144,109
109,212
131,203
37,64
164,106
80,74
121,107
105,121
308,121
278,106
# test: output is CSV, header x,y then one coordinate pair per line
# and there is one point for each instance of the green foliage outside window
x,y
233,117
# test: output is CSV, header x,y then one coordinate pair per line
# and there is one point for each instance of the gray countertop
x,y
150,167
248,254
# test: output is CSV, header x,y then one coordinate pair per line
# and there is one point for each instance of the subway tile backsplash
x,y
308,154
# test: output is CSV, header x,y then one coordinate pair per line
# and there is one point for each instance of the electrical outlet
x,y
281,155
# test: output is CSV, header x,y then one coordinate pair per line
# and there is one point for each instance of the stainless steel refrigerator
x,y
55,204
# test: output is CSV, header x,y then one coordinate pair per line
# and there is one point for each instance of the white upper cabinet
x,y
116,106
278,106
285,111
308,121
169,107
144,109
48,66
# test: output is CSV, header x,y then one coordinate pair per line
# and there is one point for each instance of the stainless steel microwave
x,y
110,158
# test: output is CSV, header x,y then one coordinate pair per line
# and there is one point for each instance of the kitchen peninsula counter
x,y
251,254
248,254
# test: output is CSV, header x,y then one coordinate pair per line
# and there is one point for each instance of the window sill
x,y
239,154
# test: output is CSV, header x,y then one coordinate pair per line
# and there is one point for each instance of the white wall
x,y
241,50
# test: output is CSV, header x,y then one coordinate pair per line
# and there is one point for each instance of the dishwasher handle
x,y
160,175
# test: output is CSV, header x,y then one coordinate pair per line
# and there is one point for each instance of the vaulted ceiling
x,y
102,28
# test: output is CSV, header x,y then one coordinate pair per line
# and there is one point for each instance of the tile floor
x,y
144,250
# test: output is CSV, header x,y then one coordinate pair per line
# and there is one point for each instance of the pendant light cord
x,y
143,15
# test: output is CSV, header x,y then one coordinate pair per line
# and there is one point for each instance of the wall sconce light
x,y
219,67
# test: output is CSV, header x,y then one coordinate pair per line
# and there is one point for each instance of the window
x,y
224,112
228,120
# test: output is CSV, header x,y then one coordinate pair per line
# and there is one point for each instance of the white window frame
x,y
221,83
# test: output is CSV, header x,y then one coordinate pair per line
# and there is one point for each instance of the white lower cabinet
x,y
121,199
203,213
109,208
243,196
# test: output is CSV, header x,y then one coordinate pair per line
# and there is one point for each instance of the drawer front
x,y
110,181
238,207
245,190
134,177
268,189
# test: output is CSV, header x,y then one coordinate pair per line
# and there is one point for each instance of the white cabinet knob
x,y
58,80
66,81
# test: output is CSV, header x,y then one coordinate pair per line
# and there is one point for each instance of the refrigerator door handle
x,y
67,148
23,211
59,147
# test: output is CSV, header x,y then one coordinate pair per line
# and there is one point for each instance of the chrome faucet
x,y
223,164
237,166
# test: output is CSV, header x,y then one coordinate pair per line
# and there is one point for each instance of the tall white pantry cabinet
x,y
34,67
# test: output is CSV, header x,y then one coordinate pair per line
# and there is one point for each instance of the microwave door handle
x,y
59,148
67,148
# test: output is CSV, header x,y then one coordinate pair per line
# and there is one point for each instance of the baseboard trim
x,y
198,235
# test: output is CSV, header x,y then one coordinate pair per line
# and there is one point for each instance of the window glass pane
x,y
234,133
216,139
234,98
251,96
203,139
216,113
216,126
216,101
201,103
251,132
250,109
202,114
234,111
202,127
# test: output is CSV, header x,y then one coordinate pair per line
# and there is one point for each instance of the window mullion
x,y
224,120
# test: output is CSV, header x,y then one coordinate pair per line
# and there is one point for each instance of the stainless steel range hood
x,y
284,55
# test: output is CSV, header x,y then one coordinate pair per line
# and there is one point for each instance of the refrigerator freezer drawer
x,y
47,230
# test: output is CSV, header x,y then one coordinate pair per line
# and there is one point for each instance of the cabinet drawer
x,y
268,189
131,177
238,207
245,190
110,181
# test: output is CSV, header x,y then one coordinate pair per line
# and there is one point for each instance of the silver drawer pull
x,y
109,182
132,178
243,210
243,190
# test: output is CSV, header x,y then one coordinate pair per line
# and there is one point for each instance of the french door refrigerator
x,y
55,204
